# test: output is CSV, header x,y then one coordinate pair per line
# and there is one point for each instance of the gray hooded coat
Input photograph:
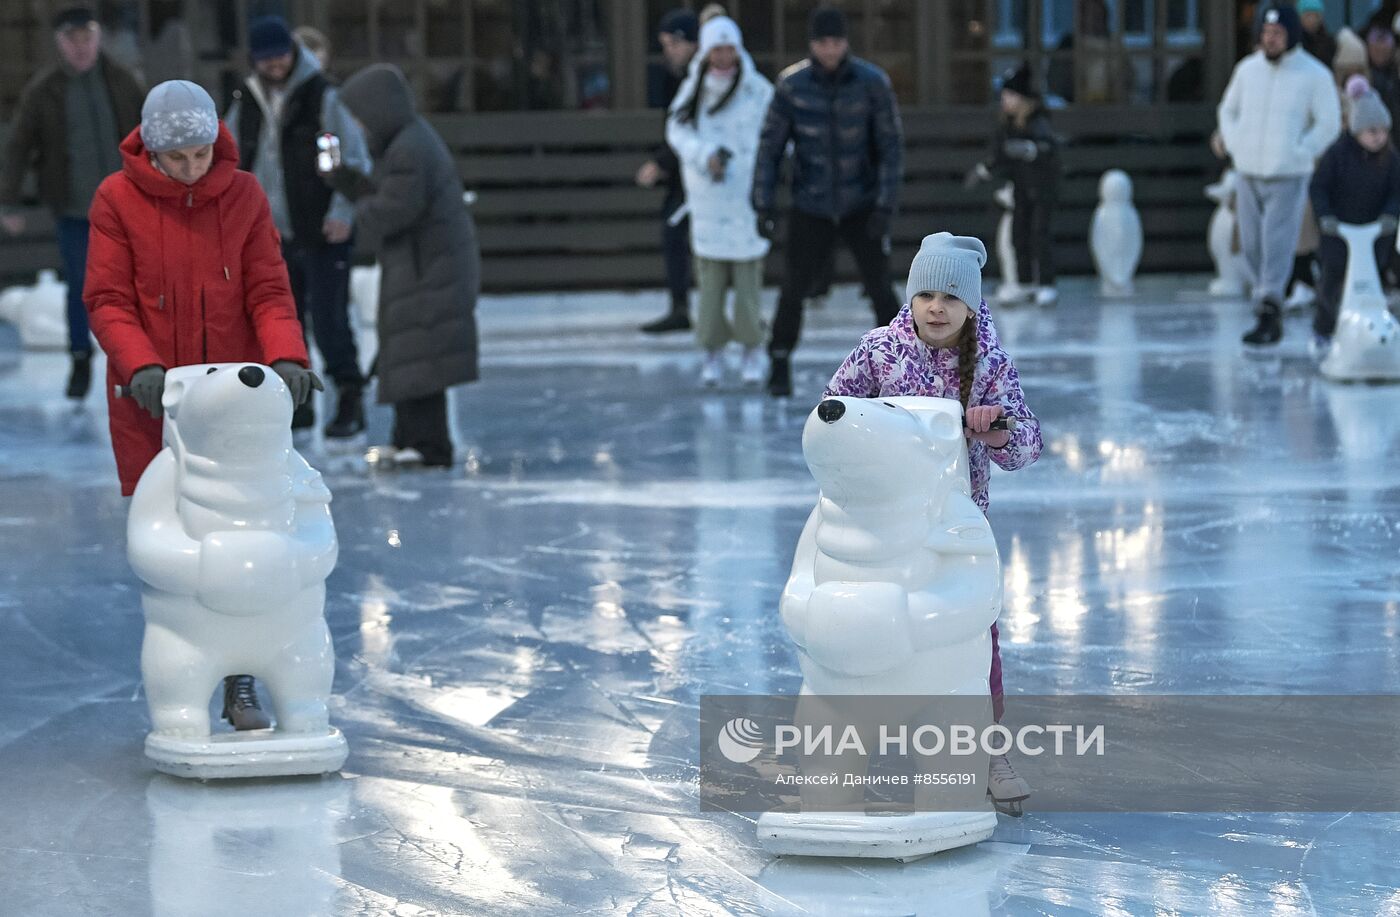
x,y
425,238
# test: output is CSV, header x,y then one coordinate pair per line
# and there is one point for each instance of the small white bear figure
x,y
1366,344
1010,291
230,531
1231,275
1115,238
895,584
39,313
364,294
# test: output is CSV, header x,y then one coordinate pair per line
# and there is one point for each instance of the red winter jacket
x,y
180,274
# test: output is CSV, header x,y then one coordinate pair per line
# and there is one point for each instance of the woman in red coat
x,y
184,266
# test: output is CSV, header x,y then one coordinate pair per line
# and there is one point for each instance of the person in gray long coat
x,y
411,212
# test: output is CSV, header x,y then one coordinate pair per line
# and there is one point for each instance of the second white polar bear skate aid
x,y
230,532
895,584
1366,343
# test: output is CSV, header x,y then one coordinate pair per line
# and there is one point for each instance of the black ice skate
x,y
241,707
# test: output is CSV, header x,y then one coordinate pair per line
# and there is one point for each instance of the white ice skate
x,y
1366,344
713,370
230,532
1300,300
752,371
1006,788
1046,296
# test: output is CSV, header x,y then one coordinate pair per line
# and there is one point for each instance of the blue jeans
x,y
73,248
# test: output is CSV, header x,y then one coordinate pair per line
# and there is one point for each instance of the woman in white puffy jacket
x,y
714,126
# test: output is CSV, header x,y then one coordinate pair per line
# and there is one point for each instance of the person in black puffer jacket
x,y
840,113
1026,151
1356,181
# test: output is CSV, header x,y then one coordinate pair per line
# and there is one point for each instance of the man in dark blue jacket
x,y
840,114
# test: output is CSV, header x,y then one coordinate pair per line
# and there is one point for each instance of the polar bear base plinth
x,y
889,837
259,753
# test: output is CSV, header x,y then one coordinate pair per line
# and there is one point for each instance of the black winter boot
x,y
241,707
80,377
1269,329
349,414
780,377
678,319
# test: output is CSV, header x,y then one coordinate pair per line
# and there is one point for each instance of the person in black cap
x,y
277,120
70,120
1280,112
679,36
839,112
1026,151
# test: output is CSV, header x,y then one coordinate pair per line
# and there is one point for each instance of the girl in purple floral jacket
x,y
937,346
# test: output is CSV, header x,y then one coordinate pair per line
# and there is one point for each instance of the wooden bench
x,y
557,208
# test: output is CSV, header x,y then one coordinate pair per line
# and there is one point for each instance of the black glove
x,y
877,225
349,182
147,385
1387,224
767,225
1023,150
1328,226
299,381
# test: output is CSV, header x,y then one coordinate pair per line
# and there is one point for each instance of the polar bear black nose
x,y
831,410
251,376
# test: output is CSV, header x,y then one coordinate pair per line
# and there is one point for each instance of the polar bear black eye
x,y
887,404
212,370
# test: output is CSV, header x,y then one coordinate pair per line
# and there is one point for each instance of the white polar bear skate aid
x,y
1115,235
895,585
40,312
1366,344
230,532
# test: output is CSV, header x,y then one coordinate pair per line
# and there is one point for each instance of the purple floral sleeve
x,y
1003,387
856,376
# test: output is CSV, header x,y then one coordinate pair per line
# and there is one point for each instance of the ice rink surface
x,y
523,641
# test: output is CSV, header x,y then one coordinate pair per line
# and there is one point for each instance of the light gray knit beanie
x,y
1367,111
948,264
177,114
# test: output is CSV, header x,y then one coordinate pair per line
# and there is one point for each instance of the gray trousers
x,y
1270,215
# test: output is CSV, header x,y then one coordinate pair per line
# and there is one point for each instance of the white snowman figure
x,y
1115,238
1231,276
39,313
1010,291
895,584
230,532
1366,344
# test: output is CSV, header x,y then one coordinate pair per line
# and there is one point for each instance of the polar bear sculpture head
x,y
233,414
1115,187
866,451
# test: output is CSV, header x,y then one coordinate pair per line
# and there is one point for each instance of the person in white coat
x,y
714,128
1279,113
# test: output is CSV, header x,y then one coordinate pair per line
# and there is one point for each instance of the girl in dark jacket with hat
x,y
1026,151
411,212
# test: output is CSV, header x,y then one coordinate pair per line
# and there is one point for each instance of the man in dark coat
x,y
412,213
839,112
679,36
71,118
277,120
